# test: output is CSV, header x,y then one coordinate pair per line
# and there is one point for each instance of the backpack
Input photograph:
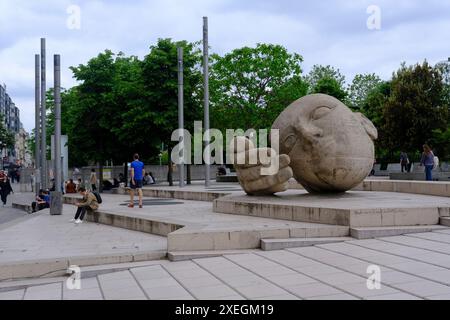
x,y
436,162
97,195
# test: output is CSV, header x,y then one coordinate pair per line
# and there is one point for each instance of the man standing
x,y
137,174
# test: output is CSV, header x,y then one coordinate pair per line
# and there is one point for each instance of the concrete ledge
x,y
187,239
279,244
58,267
162,192
189,255
445,221
354,209
438,188
136,223
22,206
370,233
420,176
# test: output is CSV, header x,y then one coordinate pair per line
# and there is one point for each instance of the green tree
x,y
160,83
416,107
7,138
372,108
360,88
330,86
280,98
319,72
244,80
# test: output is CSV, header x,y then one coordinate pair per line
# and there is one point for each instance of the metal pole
x,y
206,93
44,171
180,113
56,199
37,124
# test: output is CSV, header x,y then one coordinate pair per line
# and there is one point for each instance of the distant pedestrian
x,y
93,180
137,175
427,160
5,187
32,181
88,203
404,161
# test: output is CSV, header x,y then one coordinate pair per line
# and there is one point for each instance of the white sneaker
x,y
78,221
72,220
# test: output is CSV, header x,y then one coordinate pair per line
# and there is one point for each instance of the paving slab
x,y
193,226
43,244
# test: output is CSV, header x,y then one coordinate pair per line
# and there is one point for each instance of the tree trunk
x,y
170,171
188,174
100,178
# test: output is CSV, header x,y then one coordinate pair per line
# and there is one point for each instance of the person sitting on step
x,y
88,203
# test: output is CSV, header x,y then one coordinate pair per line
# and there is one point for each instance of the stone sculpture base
x,y
353,209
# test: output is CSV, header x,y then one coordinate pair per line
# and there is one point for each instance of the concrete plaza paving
x,y
413,267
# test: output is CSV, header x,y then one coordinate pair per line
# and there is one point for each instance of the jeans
x,y
39,206
4,196
428,173
81,211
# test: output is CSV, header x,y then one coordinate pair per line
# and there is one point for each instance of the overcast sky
x,y
331,32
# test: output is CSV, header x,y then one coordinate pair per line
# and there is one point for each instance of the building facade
x,y
11,117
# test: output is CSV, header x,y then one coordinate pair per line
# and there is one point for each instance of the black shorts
x,y
137,185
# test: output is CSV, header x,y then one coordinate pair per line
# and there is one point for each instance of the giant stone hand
x,y
251,174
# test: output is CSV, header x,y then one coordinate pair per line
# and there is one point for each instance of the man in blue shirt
x,y
137,175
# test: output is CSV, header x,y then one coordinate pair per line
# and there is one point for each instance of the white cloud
x,y
324,32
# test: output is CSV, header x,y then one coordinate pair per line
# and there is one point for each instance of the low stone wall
x,y
159,172
420,176
441,189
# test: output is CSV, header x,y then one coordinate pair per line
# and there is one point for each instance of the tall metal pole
x,y
180,112
56,199
206,93
44,171
37,124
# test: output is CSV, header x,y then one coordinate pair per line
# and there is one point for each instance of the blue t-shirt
x,y
46,198
138,167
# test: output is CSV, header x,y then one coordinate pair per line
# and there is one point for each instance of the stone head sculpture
x,y
330,147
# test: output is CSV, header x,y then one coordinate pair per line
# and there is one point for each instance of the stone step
x,y
445,221
22,284
279,244
22,206
189,255
379,232
162,192
193,239
58,266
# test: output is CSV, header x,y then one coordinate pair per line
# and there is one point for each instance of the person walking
x,y
137,175
404,161
427,160
88,203
5,187
93,180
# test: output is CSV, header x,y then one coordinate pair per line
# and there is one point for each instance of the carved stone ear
x,y
368,126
